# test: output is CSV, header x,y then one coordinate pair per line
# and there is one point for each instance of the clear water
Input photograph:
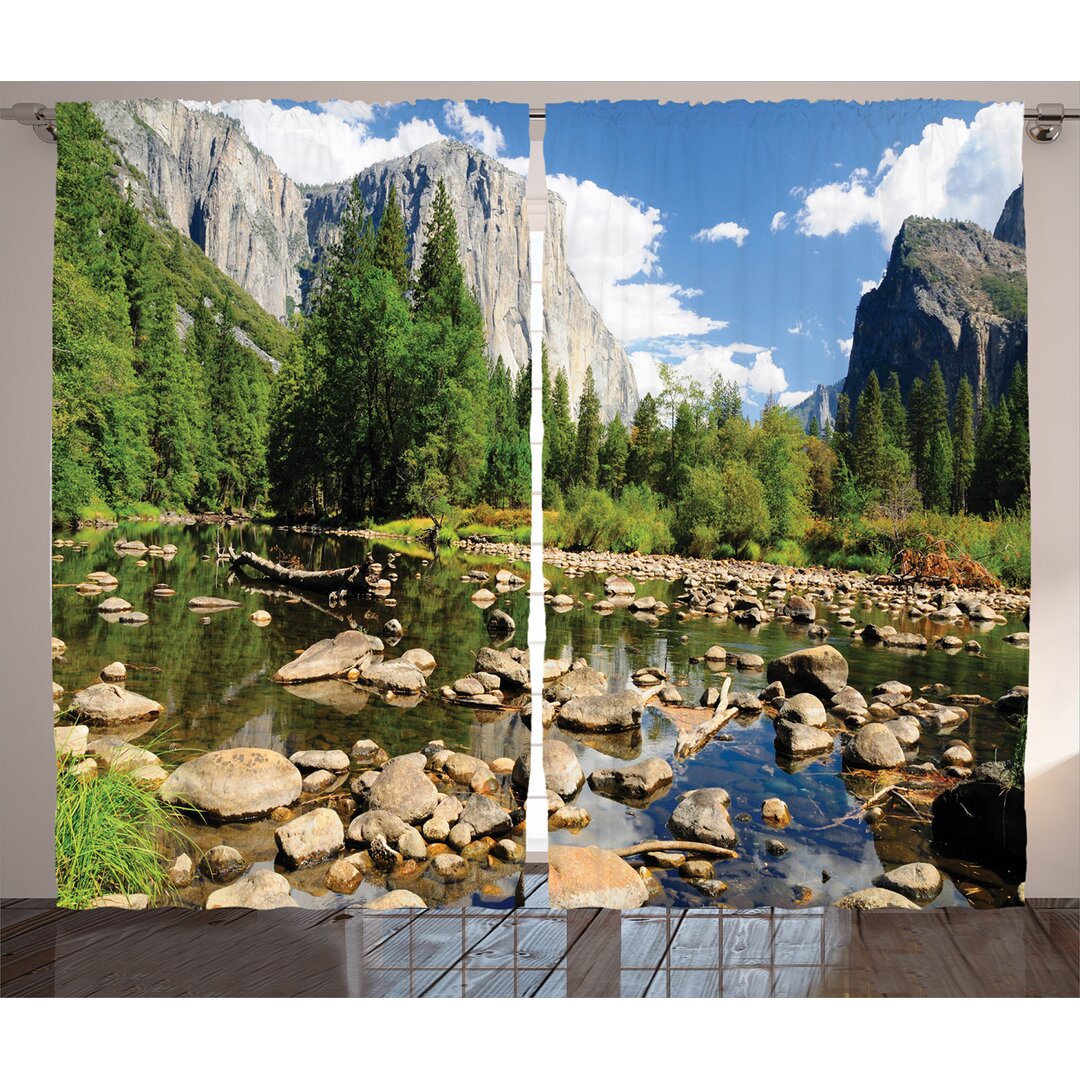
x,y
214,678
851,853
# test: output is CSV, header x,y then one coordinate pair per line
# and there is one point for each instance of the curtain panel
x,y
291,409
786,504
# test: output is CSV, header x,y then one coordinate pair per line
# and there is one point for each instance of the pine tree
x,y
643,459
440,283
963,444
613,454
938,478
895,417
868,447
813,429
918,431
589,434
392,242
559,435
840,440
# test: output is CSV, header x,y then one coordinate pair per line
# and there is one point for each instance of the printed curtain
x,y
291,481
786,504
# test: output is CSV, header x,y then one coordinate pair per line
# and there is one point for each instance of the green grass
x,y
109,834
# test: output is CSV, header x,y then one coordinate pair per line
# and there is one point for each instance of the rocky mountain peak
x,y
1010,227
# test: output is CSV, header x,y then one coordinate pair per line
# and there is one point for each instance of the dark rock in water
x,y
500,624
983,819
223,863
905,641
821,670
703,816
1014,703
799,609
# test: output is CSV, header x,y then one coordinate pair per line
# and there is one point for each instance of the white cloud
x,y
790,398
799,330
760,377
845,345
956,170
520,165
868,286
724,230
611,239
476,130
327,145
779,221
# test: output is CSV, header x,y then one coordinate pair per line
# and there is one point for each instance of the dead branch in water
x,y
349,578
690,742
675,845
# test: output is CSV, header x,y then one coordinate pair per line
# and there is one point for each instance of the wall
x,y
1053,229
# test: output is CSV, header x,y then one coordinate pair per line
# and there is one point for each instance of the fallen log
x,y
349,578
690,742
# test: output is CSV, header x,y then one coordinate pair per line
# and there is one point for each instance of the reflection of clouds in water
x,y
258,731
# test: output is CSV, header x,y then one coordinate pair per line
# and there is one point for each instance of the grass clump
x,y
109,837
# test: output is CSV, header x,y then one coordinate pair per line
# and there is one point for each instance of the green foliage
x,y
589,434
1007,293
594,520
722,506
109,834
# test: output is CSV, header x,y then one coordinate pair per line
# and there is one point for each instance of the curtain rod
x,y
1043,123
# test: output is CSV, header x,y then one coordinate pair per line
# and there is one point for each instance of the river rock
x,y
580,681
957,754
211,603
394,676
562,770
905,641
775,812
368,754
182,872
822,671
128,901
569,817
703,816
397,900
484,816
420,659
120,756
799,609
511,673
310,838
905,730
71,740
590,877
343,877
635,782
315,783
873,899
749,662
803,709
621,711
106,704
261,617
450,866
366,826
262,891
404,790
801,740
411,844
916,881
113,605
335,761
619,586
114,672
873,746
887,689
328,659
1013,703
500,624
234,785
223,863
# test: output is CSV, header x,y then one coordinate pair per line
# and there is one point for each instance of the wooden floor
x,y
534,952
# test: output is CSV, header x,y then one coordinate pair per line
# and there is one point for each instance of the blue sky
x,y
739,237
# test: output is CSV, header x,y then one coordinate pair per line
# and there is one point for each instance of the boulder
x,y
365,827
619,586
916,881
420,659
107,704
71,740
327,659
234,785
581,681
874,899
1013,703
343,877
562,771
620,711
262,891
404,790
590,877
803,709
873,746
394,676
368,754
703,816
822,671
450,866
310,838
905,641
634,783
500,624
223,863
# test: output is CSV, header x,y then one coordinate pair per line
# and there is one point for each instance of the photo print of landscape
x,y
786,505
291,476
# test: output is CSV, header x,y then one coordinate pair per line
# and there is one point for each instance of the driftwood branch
x,y
676,845
349,578
690,742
